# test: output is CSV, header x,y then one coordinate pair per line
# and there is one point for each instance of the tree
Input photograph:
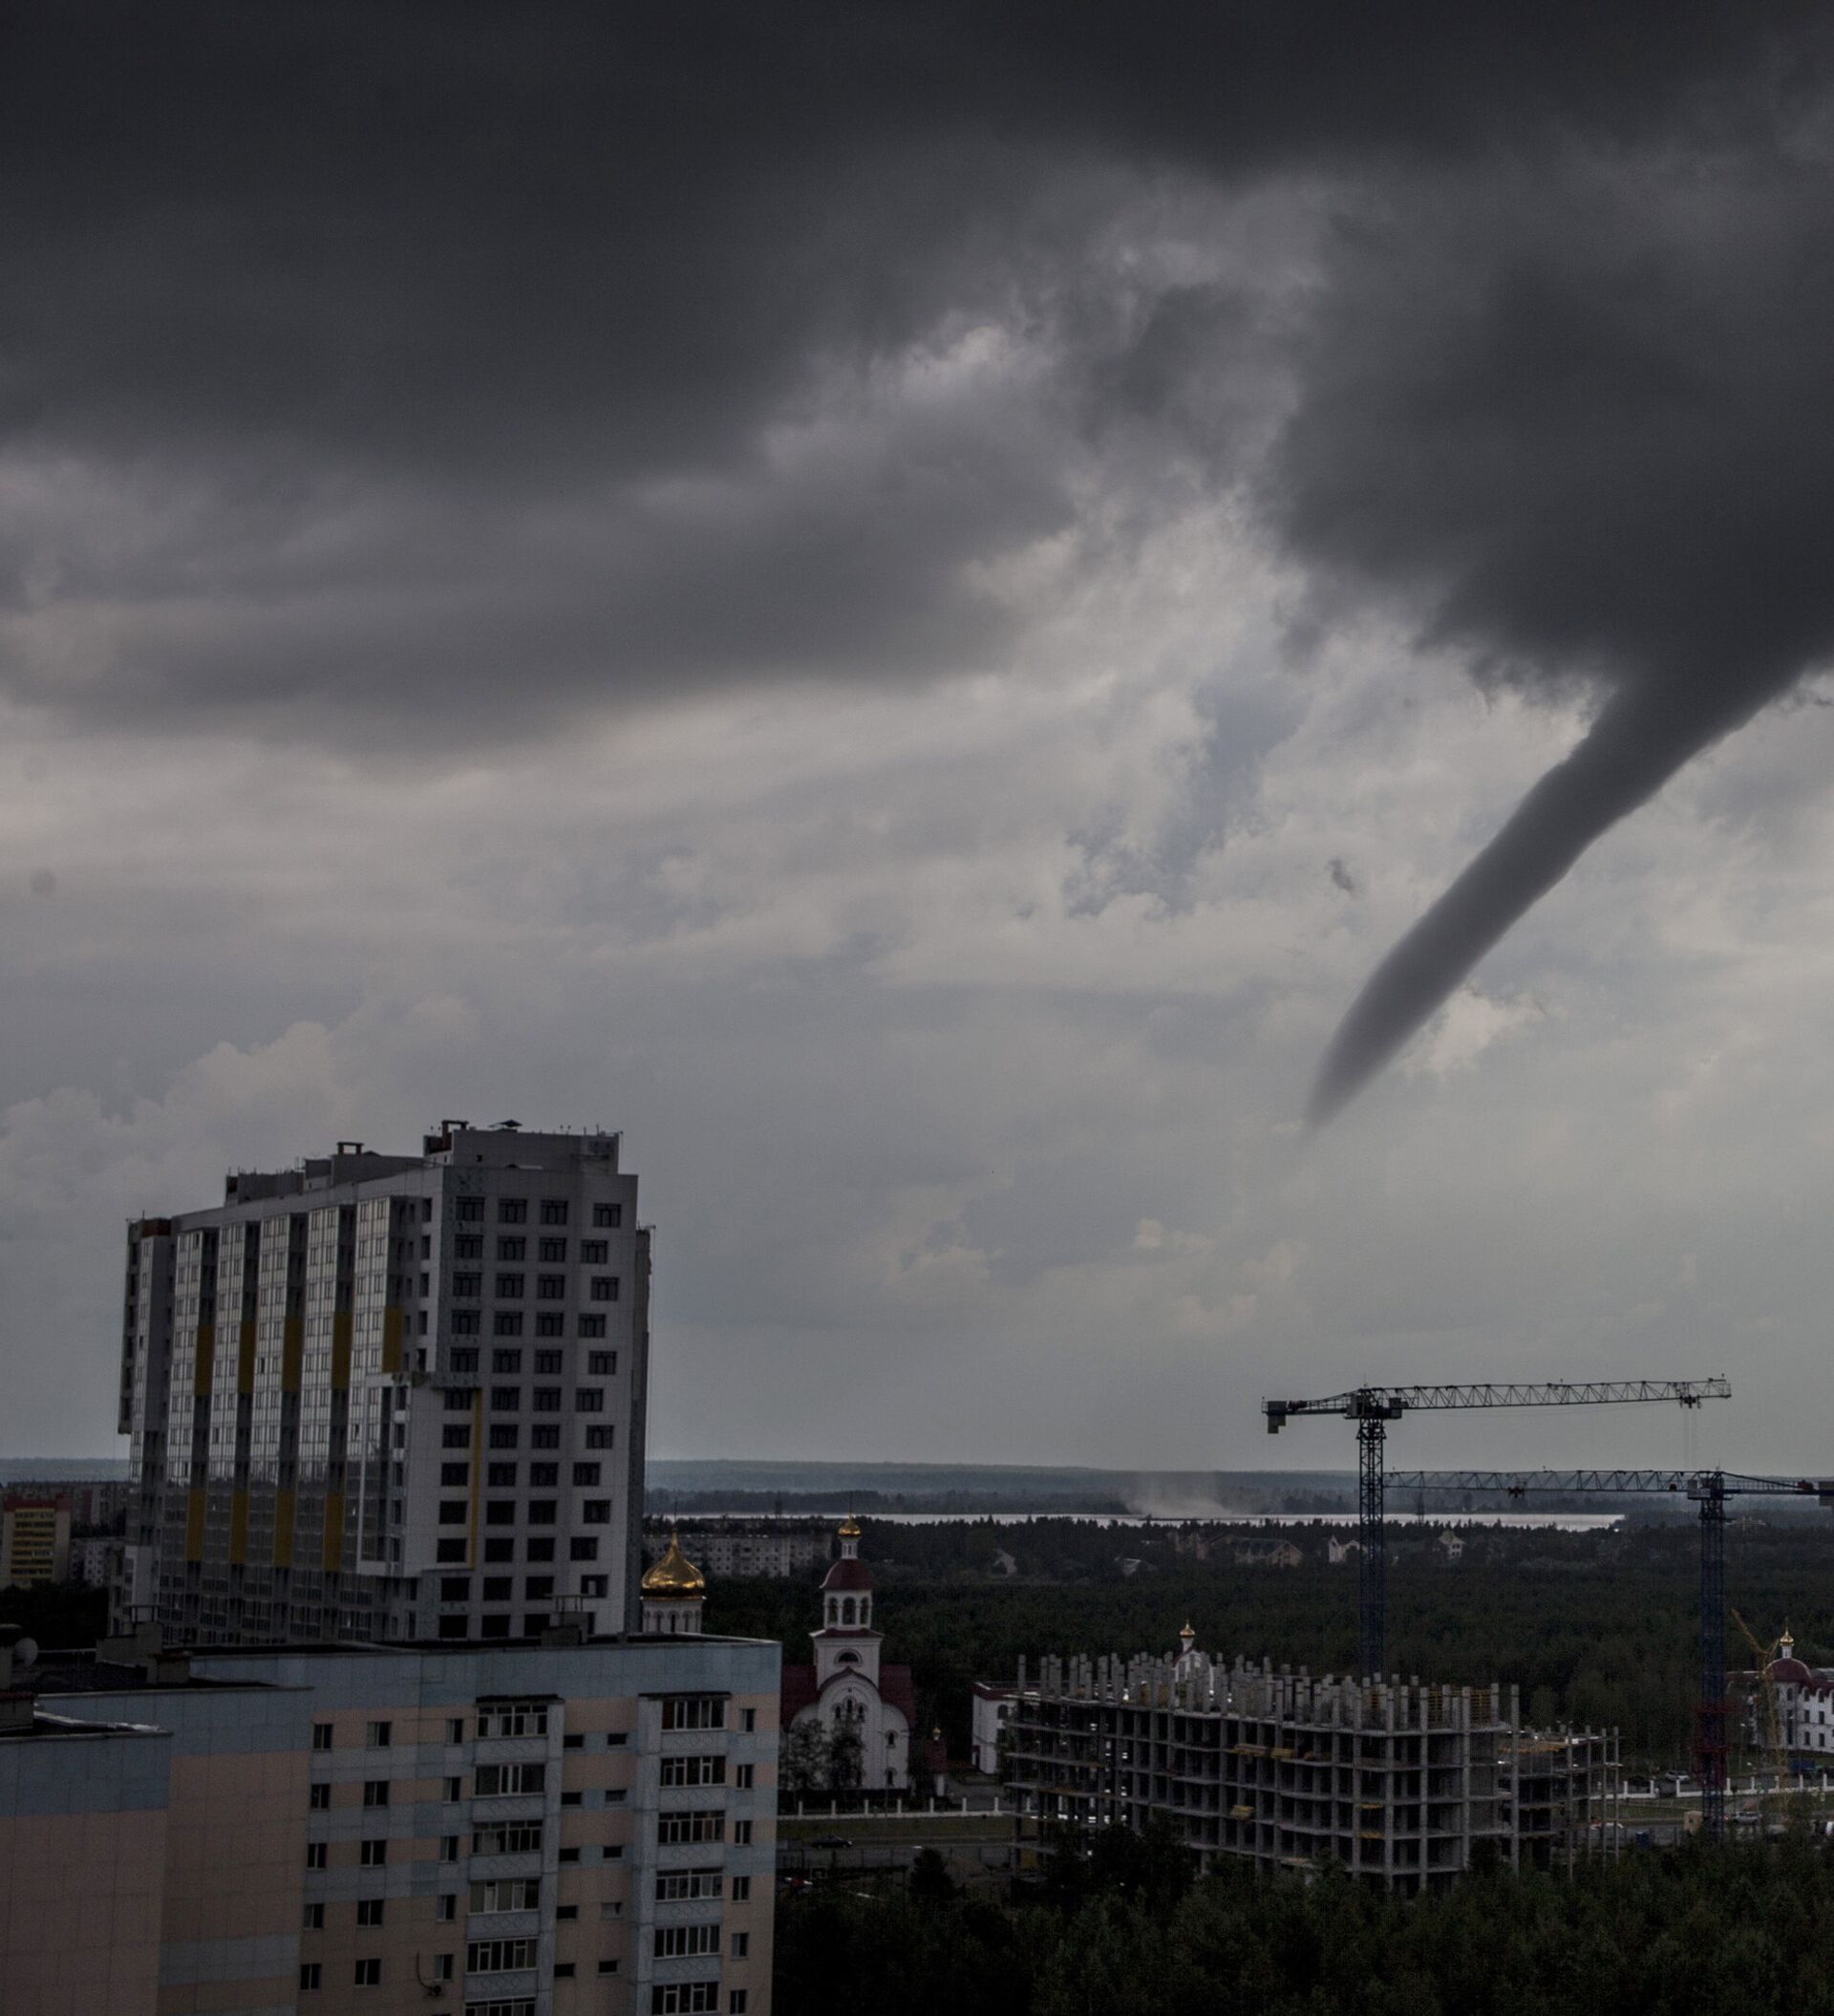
x,y
802,1758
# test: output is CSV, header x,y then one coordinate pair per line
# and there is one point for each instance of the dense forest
x,y
1744,1931
1595,1627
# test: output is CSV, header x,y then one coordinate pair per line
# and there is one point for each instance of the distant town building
x,y
847,1719
1451,1546
989,1711
34,1540
1268,1554
390,1396
1399,1784
1340,1552
92,1560
741,1549
540,1830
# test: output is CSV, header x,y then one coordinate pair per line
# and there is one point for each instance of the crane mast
x,y
1373,1407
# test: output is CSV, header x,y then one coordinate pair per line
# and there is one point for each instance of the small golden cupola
x,y
673,1592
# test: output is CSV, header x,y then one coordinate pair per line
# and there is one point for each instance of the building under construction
x,y
1401,1784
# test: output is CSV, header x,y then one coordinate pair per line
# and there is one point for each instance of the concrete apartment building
x,y
542,1830
743,1549
1400,1783
34,1540
390,1396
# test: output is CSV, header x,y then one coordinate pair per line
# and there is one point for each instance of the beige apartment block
x,y
531,1829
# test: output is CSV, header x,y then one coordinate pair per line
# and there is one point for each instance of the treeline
x,y
1595,1628
1745,1931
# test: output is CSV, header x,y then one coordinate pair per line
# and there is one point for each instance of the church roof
x,y
674,1575
799,1691
847,1574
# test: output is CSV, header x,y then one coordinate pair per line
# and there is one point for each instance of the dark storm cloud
x,y
436,349
1582,424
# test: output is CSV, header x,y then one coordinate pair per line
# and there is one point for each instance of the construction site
x,y
1398,1782
1402,1782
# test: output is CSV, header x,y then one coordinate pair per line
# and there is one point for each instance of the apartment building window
x,y
607,1215
549,1323
448,1848
596,1511
685,1998
541,1550
511,1718
510,1361
500,1477
496,1551
467,1246
454,1729
594,1252
672,1827
605,1287
500,1511
741,1833
512,1248
372,1854
469,1211
742,1890
368,1974
583,1548
748,1719
447,1907
548,1400
499,1588
544,1476
507,1322
588,1399
450,1553
602,1364
505,1400
694,1711
512,1211
585,1473
676,1886
458,1400
463,1362
522,1837
741,1946
682,1942
542,1512
321,1735
742,1776
693,1770
315,1920
607,1966
456,1437
311,1975
504,1435
377,1735
315,1854
601,1438
544,1435
553,1211
591,1326
443,1965
368,1910
318,1797
738,2000
454,1475
452,1511
550,1250
454,1791
550,1287
499,1956
509,1893
539,1588
470,1285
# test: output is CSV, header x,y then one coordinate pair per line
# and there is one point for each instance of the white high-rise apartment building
x,y
390,1396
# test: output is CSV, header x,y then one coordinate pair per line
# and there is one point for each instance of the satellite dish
x,y
24,1651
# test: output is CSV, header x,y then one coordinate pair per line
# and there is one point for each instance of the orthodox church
x,y
848,1693
675,1592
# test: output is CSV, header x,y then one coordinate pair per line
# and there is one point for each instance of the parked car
x,y
833,1841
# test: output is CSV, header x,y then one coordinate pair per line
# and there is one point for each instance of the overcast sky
x,y
902,603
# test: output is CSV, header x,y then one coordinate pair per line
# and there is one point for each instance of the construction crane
x,y
1373,1407
1708,1489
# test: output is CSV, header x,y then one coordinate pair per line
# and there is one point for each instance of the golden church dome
x,y
674,1575
850,1528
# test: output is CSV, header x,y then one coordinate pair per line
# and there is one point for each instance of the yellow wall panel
x,y
282,1529
391,1339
